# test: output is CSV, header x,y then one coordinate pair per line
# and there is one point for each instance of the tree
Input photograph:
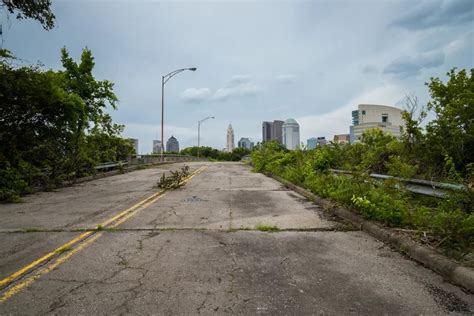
x,y
39,10
450,135
413,116
95,96
52,124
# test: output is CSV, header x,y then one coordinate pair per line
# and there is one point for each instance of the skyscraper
x,y
277,131
272,131
172,145
267,131
230,139
291,134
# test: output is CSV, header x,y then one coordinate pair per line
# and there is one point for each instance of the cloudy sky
x,y
257,60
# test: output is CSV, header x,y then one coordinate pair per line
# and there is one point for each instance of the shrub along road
x,y
196,250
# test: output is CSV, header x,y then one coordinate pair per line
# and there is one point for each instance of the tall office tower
x,y
172,145
267,131
230,139
277,131
291,134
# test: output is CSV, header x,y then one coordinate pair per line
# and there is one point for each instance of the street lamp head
x,y
193,69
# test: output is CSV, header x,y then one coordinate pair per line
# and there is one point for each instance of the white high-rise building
x,y
291,134
230,139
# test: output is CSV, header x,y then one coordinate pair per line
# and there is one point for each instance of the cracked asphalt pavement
x,y
196,251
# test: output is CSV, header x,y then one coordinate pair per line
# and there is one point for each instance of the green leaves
x,y
53,125
39,10
450,136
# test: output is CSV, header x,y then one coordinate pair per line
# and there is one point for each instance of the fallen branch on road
x,y
175,180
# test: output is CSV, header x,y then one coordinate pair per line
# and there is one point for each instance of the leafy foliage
x,y
443,151
52,124
39,10
214,154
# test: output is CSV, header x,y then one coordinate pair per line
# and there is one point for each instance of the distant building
x,y
291,134
172,145
277,131
230,139
156,146
272,131
267,131
311,143
245,143
342,138
386,118
135,145
321,141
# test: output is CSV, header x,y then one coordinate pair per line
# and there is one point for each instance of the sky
x,y
256,61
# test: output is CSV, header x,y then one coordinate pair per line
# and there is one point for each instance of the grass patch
x,y
267,228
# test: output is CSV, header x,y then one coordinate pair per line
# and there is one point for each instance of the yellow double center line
x,y
83,239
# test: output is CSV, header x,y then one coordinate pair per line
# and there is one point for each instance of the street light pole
x,y
164,79
199,132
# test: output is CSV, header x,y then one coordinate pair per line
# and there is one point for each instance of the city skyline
x,y
394,51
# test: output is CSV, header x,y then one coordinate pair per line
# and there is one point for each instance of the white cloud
x,y
285,78
241,90
196,95
239,86
338,121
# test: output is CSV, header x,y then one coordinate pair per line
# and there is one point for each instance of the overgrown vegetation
x,y
443,151
53,125
214,154
175,179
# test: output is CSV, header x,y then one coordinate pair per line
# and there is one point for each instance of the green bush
x,y
451,220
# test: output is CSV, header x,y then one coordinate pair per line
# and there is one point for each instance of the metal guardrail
x,y
419,186
145,159
111,164
141,159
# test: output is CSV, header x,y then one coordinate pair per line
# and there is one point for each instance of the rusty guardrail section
x,y
419,186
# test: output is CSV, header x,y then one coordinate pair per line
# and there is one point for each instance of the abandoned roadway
x,y
195,250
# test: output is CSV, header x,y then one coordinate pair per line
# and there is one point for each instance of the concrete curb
x,y
450,270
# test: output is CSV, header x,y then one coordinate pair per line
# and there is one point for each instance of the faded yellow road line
x,y
110,223
39,261
17,288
